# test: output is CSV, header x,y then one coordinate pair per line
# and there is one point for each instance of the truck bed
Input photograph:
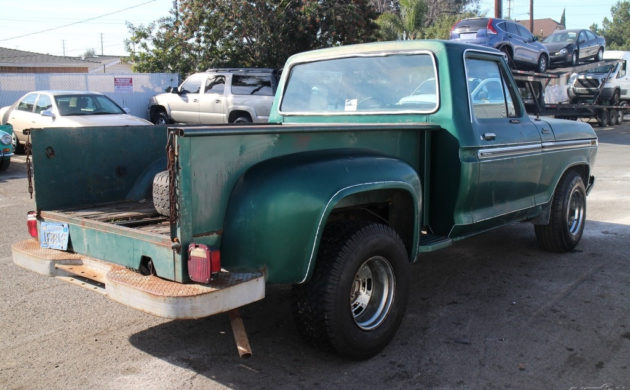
x,y
138,215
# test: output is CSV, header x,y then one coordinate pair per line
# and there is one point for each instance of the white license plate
x,y
468,35
54,235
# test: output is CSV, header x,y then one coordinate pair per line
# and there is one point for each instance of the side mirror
x,y
48,113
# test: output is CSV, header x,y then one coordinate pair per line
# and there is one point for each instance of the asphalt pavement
x,y
491,312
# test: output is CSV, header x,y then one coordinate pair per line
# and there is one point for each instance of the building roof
x,y
543,27
12,60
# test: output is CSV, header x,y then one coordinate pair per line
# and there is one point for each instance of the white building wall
x,y
136,99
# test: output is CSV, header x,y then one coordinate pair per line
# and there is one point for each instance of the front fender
x,y
278,208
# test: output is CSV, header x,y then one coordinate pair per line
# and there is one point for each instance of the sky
x,y
579,13
71,27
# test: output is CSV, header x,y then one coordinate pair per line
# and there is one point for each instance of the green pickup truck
x,y
374,154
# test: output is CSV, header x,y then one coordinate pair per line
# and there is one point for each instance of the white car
x,y
40,109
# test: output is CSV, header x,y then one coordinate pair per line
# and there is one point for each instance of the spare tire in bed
x,y
160,193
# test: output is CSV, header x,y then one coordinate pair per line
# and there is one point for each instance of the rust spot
x,y
50,152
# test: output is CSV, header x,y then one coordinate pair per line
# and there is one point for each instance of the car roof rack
x,y
241,70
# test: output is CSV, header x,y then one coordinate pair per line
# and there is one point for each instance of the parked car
x,y
230,95
63,109
6,147
614,74
520,46
572,46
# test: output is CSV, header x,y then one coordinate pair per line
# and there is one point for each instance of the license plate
x,y
54,235
468,35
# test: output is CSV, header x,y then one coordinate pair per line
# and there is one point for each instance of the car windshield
x,y
87,104
603,69
389,83
565,36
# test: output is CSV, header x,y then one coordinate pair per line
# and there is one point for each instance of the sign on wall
x,y
123,85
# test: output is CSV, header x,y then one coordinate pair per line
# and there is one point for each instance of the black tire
x,y
600,55
242,119
543,63
614,100
160,193
574,58
614,117
623,112
602,117
508,55
568,216
5,162
356,298
18,148
160,118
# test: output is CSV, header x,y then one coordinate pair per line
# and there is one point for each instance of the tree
x,y
406,24
563,19
441,29
200,34
617,30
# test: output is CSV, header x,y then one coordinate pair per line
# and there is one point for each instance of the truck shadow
x,y
480,314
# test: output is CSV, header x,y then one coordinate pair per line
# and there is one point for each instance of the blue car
x,y
6,147
521,48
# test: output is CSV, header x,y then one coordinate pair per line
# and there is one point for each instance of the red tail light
x,y
490,27
31,223
203,262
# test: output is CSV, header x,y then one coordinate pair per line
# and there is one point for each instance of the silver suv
x,y
229,95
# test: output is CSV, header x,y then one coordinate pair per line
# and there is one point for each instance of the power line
x,y
78,22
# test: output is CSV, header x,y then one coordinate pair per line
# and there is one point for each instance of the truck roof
x,y
390,46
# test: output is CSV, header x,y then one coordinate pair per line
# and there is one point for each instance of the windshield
x,y
603,69
401,82
563,36
86,105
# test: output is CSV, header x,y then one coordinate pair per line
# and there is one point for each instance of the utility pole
x,y
498,9
101,44
531,16
63,46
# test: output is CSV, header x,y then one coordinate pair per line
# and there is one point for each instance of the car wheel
x,y
356,298
161,200
160,118
4,163
543,63
574,58
17,146
242,119
508,56
614,100
623,111
568,215
600,54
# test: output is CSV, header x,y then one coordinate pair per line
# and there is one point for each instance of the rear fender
x,y
278,208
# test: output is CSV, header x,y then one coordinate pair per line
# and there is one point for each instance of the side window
x,y
251,85
512,28
27,103
590,36
490,95
582,37
215,85
622,70
191,85
43,103
524,33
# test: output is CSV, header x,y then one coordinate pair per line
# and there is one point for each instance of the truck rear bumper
x,y
150,294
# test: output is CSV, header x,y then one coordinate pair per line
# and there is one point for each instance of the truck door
x,y
185,104
509,149
212,101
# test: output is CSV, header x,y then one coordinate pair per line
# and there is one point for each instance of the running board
x,y
431,242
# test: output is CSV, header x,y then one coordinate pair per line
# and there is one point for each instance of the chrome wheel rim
x,y
372,293
576,212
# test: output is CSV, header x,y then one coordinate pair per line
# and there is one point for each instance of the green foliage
x,y
617,30
200,34
563,18
441,29
406,24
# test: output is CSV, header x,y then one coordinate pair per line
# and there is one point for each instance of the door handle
x,y
218,101
545,130
195,100
489,136
515,121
